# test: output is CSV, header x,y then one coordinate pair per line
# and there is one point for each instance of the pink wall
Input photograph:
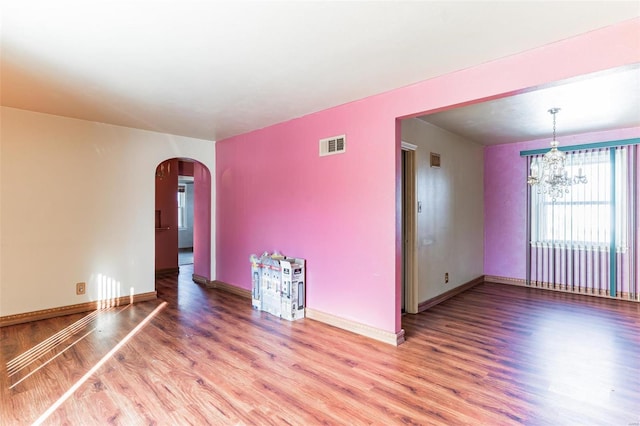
x,y
185,168
201,221
505,199
341,212
338,212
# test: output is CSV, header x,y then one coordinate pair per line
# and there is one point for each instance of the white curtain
x,y
586,240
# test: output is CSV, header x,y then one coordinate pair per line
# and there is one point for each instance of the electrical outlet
x,y
446,277
81,288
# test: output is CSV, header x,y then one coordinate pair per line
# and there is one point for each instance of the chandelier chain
x,y
553,112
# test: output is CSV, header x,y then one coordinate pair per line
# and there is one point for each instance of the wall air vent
x,y
333,145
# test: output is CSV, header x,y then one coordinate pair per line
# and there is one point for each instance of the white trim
x,y
406,146
219,285
409,213
355,327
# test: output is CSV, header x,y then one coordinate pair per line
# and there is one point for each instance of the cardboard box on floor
x,y
271,286
278,285
256,279
292,289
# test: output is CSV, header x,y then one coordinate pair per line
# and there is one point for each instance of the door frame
x,y
409,237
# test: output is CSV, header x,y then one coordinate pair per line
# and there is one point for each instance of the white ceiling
x,y
213,69
602,101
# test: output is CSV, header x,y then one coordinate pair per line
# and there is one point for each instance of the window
x,y
587,240
182,206
582,218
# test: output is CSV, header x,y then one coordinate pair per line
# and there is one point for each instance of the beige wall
x,y
450,226
77,204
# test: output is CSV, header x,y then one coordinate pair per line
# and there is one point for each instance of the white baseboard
x,y
561,288
222,286
244,293
505,280
394,339
73,309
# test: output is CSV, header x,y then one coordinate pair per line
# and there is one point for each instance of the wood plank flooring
x,y
494,355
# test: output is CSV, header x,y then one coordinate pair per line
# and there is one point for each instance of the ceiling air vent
x,y
334,145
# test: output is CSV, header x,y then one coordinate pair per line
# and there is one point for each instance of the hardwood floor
x,y
495,355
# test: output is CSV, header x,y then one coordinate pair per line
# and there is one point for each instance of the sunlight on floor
x,y
109,297
99,364
38,352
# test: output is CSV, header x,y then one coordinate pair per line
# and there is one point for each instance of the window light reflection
x,y
109,292
97,366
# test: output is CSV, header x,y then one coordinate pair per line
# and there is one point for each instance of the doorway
x,y
183,218
408,288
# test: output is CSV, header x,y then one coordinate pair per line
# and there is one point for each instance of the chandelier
x,y
162,171
548,174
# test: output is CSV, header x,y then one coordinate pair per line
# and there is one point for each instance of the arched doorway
x,y
169,218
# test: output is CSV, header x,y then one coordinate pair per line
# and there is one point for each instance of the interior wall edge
x,y
73,309
423,306
622,296
384,336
